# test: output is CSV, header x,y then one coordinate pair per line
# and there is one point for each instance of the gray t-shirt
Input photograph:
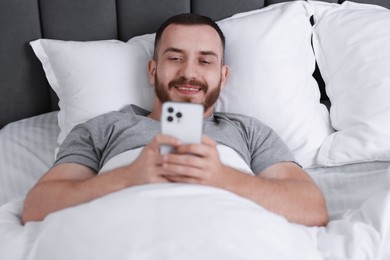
x,y
98,140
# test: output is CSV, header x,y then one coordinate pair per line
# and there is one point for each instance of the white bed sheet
x,y
26,152
185,220
347,187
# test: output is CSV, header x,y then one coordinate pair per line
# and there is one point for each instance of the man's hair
x,y
188,19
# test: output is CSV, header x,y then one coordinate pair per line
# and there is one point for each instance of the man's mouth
x,y
189,90
188,87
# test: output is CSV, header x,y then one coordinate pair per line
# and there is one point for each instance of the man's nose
x,y
190,70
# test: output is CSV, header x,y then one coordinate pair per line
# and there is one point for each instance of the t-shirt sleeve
x,y
267,148
78,147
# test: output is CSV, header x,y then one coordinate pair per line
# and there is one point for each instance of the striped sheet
x,y
347,187
26,152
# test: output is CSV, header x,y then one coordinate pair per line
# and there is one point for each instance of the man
x,y
188,66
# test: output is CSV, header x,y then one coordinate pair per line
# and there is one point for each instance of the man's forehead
x,y
203,37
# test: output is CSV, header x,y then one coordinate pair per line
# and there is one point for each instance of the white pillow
x,y
352,46
92,78
319,7
271,64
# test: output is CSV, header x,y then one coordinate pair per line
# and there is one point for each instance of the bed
x,y
317,72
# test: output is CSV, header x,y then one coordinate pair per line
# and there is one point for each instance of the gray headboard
x,y
24,90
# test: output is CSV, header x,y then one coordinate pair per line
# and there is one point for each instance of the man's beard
x,y
163,93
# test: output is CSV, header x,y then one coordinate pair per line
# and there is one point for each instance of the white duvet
x,y
181,221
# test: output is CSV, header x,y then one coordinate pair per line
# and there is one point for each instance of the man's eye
x,y
205,62
174,58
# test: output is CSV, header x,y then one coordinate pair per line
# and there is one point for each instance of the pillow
x,y
92,78
352,46
319,7
271,63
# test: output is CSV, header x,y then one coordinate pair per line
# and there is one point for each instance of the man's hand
x,y
147,168
195,163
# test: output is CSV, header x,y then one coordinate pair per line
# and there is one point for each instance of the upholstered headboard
x,y
24,90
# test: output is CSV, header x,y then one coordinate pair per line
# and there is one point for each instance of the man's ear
x,y
224,75
152,66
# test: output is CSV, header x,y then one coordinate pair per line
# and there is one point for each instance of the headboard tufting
x,y
24,90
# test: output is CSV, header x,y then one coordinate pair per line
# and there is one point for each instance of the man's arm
x,y
70,184
283,188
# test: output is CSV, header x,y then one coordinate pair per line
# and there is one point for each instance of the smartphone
x,y
183,121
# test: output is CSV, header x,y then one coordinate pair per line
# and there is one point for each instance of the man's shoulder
x,y
108,118
240,118
232,115
123,112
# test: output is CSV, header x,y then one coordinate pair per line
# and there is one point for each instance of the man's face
x,y
189,65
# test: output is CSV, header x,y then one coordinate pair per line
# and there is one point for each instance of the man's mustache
x,y
184,81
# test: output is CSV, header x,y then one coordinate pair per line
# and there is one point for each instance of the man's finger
x,y
161,139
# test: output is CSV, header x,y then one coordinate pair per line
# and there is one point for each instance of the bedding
x,y
187,219
95,77
27,151
345,150
181,221
355,68
346,187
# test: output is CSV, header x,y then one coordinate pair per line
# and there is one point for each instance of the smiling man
x,y
188,66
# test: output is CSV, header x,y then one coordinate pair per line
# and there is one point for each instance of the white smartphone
x,y
183,121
